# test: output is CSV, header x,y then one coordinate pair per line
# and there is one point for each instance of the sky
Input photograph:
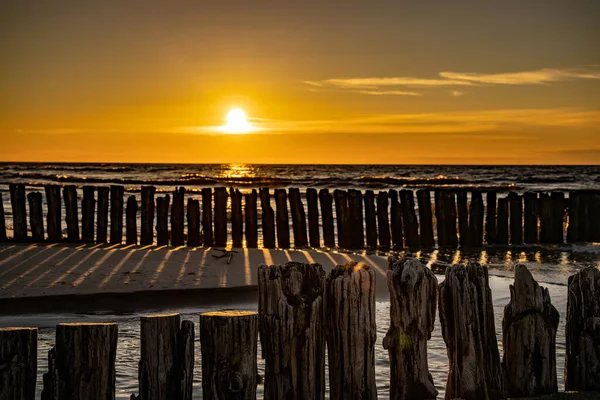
x,y
376,82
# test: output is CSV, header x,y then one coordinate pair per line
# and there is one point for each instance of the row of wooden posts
x,y
387,220
301,311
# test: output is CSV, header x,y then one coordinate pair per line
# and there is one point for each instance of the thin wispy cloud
x,y
457,93
389,93
537,77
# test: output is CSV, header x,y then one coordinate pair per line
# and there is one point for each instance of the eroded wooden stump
x,y
18,363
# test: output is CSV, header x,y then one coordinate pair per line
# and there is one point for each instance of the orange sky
x,y
402,82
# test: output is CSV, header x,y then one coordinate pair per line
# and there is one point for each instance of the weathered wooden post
x,y
312,204
228,341
370,219
326,202
355,217
18,363
409,218
578,228
193,223
53,218
102,218
546,226
383,221
71,212
166,363
450,218
342,218
267,219
462,206
207,219
220,217
237,220
502,221
19,211
529,336
162,220
116,214
298,218
350,331
558,216
290,308
2,220
582,364
425,218
467,320
491,232
251,219
516,218
413,302
36,219
396,220
131,221
530,217
82,363
440,218
283,225
177,217
147,217
476,211
88,208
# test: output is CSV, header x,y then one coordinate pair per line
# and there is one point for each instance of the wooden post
x,y
383,222
36,219
546,226
312,204
228,341
350,331
396,221
467,320
88,208
579,217
462,206
283,224
326,202
167,358
251,219
582,364
370,219
102,221
409,218
342,218
594,205
220,217
290,307
18,360
502,221
177,217
162,220
193,223
207,219
413,298
529,336
516,218
267,219
82,364
298,219
2,220
355,218
440,218
531,217
558,216
131,221
53,218
116,214
19,211
450,218
425,218
147,217
71,213
491,232
476,211
237,220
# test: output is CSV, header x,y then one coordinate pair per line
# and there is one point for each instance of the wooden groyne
x,y
303,311
385,220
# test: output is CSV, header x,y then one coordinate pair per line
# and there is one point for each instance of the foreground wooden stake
x,y
19,211
82,364
36,220
18,363
350,331
53,218
467,320
147,218
582,364
290,307
167,358
413,298
228,341
529,336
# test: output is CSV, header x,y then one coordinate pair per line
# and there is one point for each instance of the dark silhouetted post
x,y
502,221
425,218
383,221
131,221
312,204
531,217
162,220
546,225
2,220
193,223
19,211
283,225
102,221
36,219
355,210
267,219
237,221
463,217
220,217
207,219
116,214
88,208
177,217
396,220
71,213
476,211
18,358
298,219
491,233
409,218
54,218
450,218
440,220
576,204
516,218
342,218
251,219
370,219
326,202
147,232
558,216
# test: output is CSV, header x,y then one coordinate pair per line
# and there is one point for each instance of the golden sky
x,y
387,82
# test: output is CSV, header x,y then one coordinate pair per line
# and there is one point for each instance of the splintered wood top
x,y
228,313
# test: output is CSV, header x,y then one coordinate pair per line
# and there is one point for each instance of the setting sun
x,y
237,122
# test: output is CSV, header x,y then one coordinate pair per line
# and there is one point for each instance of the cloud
x,y
537,77
457,93
388,92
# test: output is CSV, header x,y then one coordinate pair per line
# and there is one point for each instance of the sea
x,y
551,265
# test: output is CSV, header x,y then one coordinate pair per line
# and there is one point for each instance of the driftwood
x,y
467,320
312,205
251,219
88,208
491,233
582,364
2,221
530,217
283,224
326,202
413,298
18,363
19,211
162,220
177,213
383,221
71,213
425,218
409,218
131,221
291,330
53,218
237,221
102,221
193,220
529,335
298,219
267,219
36,220
228,341
350,331
476,210
147,217
396,221
207,219
116,214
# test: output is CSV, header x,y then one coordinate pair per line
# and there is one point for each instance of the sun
x,y
237,122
